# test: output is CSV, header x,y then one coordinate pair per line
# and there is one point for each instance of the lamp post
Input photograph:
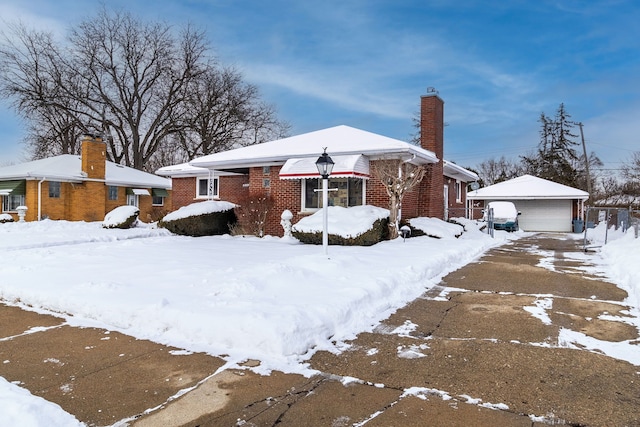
x,y
325,166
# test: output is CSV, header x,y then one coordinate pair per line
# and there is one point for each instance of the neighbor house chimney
x,y
432,139
94,156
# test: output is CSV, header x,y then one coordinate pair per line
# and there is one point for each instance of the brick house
x,y
286,170
81,188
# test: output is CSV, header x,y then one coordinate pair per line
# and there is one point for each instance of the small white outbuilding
x,y
544,205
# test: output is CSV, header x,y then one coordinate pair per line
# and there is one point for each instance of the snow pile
x,y
21,408
621,260
40,234
5,217
200,208
345,222
599,235
119,215
438,228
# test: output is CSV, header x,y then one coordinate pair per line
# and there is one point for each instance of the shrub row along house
x,y
285,170
81,188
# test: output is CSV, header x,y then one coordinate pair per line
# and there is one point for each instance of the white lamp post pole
x,y
325,214
325,166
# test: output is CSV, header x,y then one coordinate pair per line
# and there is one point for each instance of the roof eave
x,y
280,159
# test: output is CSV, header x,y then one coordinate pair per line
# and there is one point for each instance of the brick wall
x,y
56,208
121,201
233,188
289,193
30,201
184,192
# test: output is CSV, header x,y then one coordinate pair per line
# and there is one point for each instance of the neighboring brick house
x,y
81,188
286,170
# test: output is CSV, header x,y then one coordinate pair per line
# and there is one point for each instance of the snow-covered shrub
x,y
121,217
469,225
5,217
354,226
252,213
201,219
434,227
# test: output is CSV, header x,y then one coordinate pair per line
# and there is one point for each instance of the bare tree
x,y
631,174
224,112
494,170
398,177
143,86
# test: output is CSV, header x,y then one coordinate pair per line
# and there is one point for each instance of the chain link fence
x,y
613,219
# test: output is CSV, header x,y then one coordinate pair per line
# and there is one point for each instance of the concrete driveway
x,y
484,348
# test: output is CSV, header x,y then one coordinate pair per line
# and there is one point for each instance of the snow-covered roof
x,y
68,168
338,140
182,169
186,170
458,172
527,187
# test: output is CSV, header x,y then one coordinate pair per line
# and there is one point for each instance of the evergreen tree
x,y
555,158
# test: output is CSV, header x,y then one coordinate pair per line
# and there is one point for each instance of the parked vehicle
x,y
505,215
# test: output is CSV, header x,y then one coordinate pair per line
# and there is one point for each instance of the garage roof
x,y
527,187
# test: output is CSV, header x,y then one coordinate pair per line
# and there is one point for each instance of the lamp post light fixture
x,y
325,166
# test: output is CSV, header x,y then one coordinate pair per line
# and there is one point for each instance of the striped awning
x,y
350,166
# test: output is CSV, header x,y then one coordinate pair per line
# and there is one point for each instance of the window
x,y
266,170
266,183
458,191
11,202
157,196
54,189
343,192
113,192
203,186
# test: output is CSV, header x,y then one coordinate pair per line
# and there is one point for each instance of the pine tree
x,y
556,156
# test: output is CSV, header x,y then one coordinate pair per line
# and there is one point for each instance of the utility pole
x,y
586,161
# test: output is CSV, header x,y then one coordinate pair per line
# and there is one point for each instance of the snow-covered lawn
x,y
271,299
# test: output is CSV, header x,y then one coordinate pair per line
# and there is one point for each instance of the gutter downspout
x,y
40,198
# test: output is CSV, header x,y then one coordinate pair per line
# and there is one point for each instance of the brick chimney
x,y
94,156
432,139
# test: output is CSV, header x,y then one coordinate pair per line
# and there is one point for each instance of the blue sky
x,y
365,63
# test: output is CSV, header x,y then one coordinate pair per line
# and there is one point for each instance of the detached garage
x,y
544,205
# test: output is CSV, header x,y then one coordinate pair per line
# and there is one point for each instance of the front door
x,y
132,200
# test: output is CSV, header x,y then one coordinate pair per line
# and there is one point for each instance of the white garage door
x,y
545,215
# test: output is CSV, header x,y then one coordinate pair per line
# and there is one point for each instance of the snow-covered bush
x,y
121,217
434,227
469,225
208,218
5,217
354,226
